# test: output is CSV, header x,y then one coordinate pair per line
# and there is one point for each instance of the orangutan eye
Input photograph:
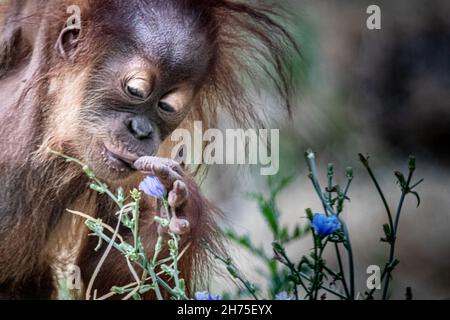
x,y
164,106
138,88
176,100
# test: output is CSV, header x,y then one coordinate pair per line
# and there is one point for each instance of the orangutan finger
x,y
178,195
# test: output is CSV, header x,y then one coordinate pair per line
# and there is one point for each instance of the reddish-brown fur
x,y
40,92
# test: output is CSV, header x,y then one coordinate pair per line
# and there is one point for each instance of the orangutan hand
x,y
171,175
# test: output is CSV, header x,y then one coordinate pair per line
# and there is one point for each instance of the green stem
x,y
175,262
169,289
330,182
236,274
347,187
380,192
350,260
155,283
107,239
153,266
304,276
341,270
136,225
394,235
295,272
311,161
315,284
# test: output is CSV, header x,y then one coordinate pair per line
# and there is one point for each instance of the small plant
x,y
149,276
312,277
309,278
281,272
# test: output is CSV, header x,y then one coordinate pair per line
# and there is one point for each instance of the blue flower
x,y
325,225
152,186
206,296
283,296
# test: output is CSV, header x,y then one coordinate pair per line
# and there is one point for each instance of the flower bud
x,y
412,163
349,173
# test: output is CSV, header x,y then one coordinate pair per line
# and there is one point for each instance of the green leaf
x,y
297,233
387,233
137,296
254,196
126,221
233,272
120,195
277,186
118,290
162,221
146,288
268,210
364,159
97,188
416,184
271,216
284,235
99,244
414,193
182,285
277,247
166,269
272,265
246,243
305,266
309,214
401,179
387,230
392,265
87,170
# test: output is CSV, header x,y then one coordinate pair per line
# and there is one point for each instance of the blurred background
x,y
381,92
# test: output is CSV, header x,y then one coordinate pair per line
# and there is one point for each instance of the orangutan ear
x,y
8,40
68,38
68,41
